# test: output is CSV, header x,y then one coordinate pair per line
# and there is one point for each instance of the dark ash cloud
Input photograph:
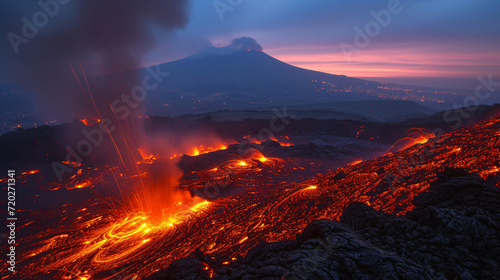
x,y
104,37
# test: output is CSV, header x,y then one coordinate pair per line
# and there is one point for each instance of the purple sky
x,y
446,43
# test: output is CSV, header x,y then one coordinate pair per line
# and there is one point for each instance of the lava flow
x,y
90,121
412,137
248,200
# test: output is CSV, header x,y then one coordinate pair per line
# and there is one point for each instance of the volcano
x,y
139,143
226,78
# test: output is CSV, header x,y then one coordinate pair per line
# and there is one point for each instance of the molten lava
x,y
284,143
196,151
201,149
412,137
90,121
30,172
257,199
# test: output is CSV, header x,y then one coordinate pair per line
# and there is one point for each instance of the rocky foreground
x,y
453,233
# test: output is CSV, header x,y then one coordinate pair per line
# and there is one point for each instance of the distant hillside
x,y
373,110
367,111
17,108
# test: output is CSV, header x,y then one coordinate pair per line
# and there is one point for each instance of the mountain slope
x,y
224,78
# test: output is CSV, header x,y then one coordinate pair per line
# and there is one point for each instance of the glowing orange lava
x,y
72,163
200,150
90,121
96,240
356,162
30,172
284,143
412,137
81,185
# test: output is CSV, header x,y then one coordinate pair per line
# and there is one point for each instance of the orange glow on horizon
x,y
405,61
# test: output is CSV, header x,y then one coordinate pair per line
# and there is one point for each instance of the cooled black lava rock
x,y
452,234
339,176
380,171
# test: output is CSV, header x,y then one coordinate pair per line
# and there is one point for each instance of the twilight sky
x,y
445,43
442,43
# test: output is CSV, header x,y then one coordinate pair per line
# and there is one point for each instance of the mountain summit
x,y
244,77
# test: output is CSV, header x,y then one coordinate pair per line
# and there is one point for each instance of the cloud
x,y
245,44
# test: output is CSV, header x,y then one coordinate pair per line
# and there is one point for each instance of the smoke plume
x,y
99,38
245,44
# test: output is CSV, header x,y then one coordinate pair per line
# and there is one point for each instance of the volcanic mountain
x,y
220,79
226,78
